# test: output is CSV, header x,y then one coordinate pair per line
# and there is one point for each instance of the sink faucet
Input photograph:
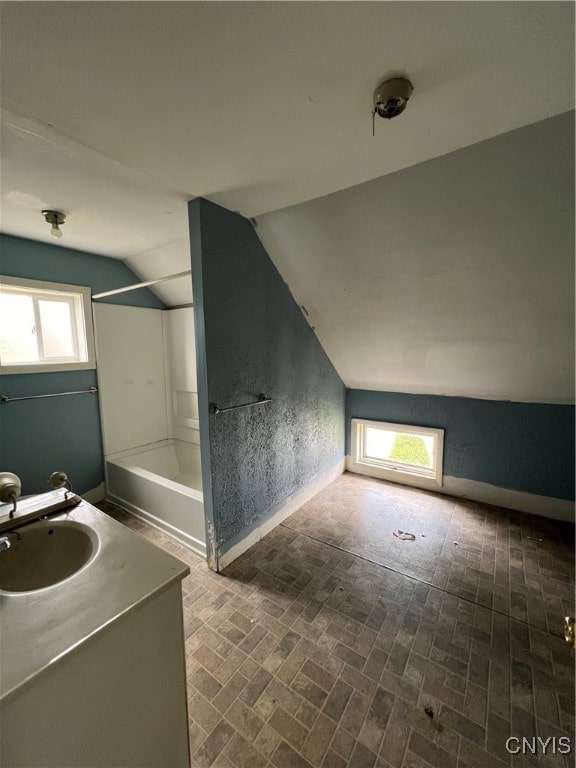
x,y
4,543
10,488
60,480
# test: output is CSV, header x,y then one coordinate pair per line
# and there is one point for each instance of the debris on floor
x,y
455,543
404,536
430,712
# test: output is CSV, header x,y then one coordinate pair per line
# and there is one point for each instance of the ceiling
x,y
262,105
452,277
112,209
118,113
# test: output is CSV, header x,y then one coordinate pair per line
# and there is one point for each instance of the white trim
x,y
7,370
197,546
79,297
287,508
392,476
501,397
396,472
531,503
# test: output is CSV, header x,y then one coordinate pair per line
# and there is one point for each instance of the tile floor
x,y
303,654
521,565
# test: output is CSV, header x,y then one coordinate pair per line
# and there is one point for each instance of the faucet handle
x,y
60,480
10,488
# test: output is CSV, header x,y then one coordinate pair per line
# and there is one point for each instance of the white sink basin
x,y
45,553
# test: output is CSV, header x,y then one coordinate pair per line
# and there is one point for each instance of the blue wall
x,y
39,436
252,338
521,446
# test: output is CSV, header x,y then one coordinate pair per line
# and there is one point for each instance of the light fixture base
x,y
56,219
391,97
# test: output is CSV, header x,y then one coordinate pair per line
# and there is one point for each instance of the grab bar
x,y
213,408
89,391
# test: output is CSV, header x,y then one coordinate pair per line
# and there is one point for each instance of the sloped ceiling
x,y
263,105
452,277
118,113
113,210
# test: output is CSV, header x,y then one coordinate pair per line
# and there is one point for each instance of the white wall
x,y
452,277
162,261
146,375
181,380
131,376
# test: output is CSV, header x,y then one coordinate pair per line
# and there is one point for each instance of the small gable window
x,y
402,452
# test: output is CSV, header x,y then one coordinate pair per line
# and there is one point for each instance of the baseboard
x,y
287,508
197,546
533,504
94,495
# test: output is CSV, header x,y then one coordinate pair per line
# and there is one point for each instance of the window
x,y
401,452
44,327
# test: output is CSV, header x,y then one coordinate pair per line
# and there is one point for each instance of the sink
x,y
45,553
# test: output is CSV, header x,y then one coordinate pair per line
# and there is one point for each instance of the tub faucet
x,y
4,543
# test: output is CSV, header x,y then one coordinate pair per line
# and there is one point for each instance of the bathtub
x,y
161,483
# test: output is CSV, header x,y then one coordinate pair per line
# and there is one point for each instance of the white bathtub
x,y
162,484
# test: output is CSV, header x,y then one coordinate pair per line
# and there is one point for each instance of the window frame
x,y
79,298
396,471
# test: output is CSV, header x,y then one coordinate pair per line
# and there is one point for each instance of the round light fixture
x,y
391,97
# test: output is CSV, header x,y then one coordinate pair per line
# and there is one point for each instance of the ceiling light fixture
x,y
56,218
391,97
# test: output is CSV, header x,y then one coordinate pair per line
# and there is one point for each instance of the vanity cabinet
x,y
100,675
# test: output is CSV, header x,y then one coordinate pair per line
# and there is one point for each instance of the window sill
x,y
7,370
403,476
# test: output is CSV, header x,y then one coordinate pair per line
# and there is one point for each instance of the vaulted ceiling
x,y
118,113
451,277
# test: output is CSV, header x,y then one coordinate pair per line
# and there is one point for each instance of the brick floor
x,y
304,654
522,565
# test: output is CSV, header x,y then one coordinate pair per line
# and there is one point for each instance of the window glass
x,y
387,445
18,341
57,328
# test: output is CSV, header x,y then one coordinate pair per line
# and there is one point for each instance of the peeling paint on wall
x,y
213,548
